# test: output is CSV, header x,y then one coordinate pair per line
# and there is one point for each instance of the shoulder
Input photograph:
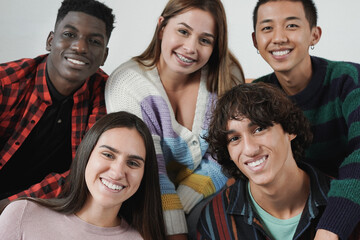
x,y
100,75
266,78
25,206
130,232
338,69
16,206
131,78
128,71
18,69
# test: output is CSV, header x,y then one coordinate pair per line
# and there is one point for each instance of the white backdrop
x,y
25,25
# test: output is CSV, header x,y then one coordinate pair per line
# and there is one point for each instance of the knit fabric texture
x,y
187,171
331,102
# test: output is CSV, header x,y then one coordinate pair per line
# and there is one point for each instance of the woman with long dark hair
x,y
112,191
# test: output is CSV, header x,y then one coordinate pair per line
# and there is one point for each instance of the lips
x,y
111,185
74,61
256,163
77,60
184,59
280,53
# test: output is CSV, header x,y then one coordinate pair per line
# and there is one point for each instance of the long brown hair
x,y
143,210
222,63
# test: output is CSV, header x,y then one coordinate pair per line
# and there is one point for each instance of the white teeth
x,y
257,163
184,59
280,53
75,61
110,185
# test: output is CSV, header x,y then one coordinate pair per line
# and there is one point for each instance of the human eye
x,y
233,139
95,41
292,26
259,129
205,41
133,163
68,34
266,29
108,155
183,32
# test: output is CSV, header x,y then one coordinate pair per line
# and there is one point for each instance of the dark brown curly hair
x,y
264,105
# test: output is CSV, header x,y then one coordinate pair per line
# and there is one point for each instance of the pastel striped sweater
x,y
331,102
187,171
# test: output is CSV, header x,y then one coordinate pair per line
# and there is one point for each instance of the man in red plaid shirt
x,y
49,102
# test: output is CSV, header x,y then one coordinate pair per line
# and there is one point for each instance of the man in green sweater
x,y
329,94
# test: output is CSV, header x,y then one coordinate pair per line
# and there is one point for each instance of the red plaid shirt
x,y
24,97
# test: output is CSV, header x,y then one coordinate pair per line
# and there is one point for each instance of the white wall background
x,y
25,25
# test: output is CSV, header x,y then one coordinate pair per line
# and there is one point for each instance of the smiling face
x,y
261,154
77,49
115,168
187,42
283,36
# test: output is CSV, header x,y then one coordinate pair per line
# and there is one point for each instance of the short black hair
x,y
264,105
91,7
309,8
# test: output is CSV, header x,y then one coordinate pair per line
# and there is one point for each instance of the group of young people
x,y
174,144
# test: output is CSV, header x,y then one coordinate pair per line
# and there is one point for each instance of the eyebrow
x,y
132,156
76,30
205,33
287,19
231,131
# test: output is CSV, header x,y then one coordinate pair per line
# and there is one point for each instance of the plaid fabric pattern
x,y
24,97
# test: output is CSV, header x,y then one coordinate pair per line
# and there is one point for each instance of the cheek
x,y
136,177
207,53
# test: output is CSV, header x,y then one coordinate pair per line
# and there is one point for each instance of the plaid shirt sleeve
x,y
89,106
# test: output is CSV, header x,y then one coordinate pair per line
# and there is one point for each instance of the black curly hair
x,y
91,7
264,105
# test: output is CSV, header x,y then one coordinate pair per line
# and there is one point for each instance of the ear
x,y
105,56
315,35
49,41
292,137
160,20
254,40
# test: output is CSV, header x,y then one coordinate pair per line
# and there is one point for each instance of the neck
x,y
286,197
295,80
174,82
99,216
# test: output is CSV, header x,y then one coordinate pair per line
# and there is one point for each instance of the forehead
x,y
124,140
196,18
82,22
239,124
280,10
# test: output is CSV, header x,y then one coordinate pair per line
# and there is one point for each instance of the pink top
x,y
27,220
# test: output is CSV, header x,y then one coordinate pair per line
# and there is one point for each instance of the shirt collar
x,y
239,199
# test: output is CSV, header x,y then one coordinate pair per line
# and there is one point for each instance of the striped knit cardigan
x,y
331,102
187,171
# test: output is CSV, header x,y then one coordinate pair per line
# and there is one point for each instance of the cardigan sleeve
x,y
342,213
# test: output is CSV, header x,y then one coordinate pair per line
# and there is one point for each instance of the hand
x,y
323,234
177,237
3,203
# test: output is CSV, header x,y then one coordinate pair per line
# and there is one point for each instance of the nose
x,y
118,169
80,45
279,36
190,45
250,147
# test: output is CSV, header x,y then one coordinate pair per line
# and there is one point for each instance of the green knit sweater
x,y
331,102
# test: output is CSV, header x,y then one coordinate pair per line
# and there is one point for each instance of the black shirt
x,y
47,148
